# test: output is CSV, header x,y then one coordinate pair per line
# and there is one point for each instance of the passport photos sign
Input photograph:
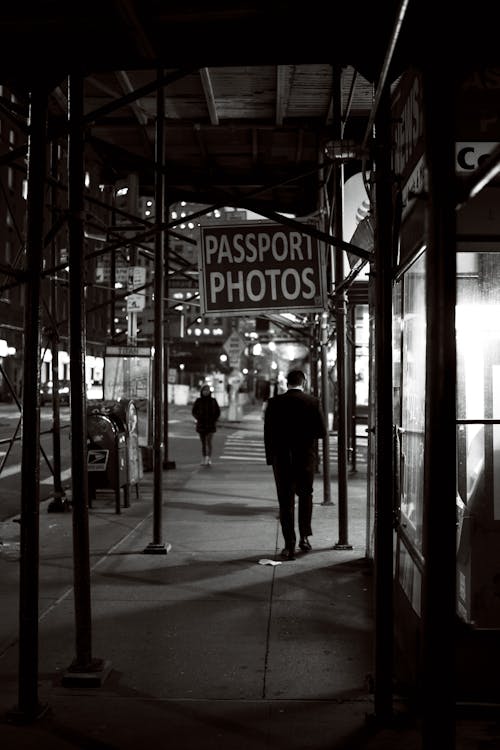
x,y
254,267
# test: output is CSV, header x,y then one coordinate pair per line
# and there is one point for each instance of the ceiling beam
x,y
127,88
282,91
149,88
208,90
126,9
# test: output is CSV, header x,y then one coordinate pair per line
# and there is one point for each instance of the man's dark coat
x,y
293,422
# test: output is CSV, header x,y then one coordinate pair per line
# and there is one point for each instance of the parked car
x,y
46,392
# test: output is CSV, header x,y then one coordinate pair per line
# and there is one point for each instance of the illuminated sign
x,y
259,266
470,154
408,128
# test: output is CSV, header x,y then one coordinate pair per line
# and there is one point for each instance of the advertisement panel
x,y
128,375
256,266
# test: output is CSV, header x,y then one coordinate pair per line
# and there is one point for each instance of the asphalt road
x,y
182,441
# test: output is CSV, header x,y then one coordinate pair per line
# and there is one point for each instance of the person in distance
x,y
206,412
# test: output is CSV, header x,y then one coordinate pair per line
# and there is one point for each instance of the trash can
x,y
106,458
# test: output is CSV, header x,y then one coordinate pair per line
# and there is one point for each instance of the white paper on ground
x,y
265,561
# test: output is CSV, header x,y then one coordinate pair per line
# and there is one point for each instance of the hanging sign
x,y
257,266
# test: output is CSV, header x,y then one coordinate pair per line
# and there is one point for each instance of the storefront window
x,y
412,427
478,435
478,368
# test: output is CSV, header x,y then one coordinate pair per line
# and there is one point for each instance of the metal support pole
x,y
314,371
352,389
439,511
370,447
167,463
340,316
60,503
29,708
340,320
157,546
384,640
314,360
325,390
84,668
112,274
327,494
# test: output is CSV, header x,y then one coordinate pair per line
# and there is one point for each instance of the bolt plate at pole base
x,y
21,717
342,546
157,549
59,505
91,675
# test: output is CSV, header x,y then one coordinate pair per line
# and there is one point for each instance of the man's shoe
x,y
288,554
305,545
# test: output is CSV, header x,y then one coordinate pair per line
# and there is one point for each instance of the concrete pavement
x,y
211,645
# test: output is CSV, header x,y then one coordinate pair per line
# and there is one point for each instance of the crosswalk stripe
x,y
240,458
16,469
64,475
241,447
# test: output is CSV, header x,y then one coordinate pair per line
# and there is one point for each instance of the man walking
x,y
293,423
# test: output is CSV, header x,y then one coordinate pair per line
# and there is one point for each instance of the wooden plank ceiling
x,y
250,97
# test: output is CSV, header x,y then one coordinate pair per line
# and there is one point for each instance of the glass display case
x,y
478,436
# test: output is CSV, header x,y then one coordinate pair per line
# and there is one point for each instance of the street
x,y
10,455
184,444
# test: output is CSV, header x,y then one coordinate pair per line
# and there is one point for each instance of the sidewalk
x,y
210,645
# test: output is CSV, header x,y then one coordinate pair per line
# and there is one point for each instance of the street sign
x,y
103,271
234,346
121,274
136,302
128,351
136,279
